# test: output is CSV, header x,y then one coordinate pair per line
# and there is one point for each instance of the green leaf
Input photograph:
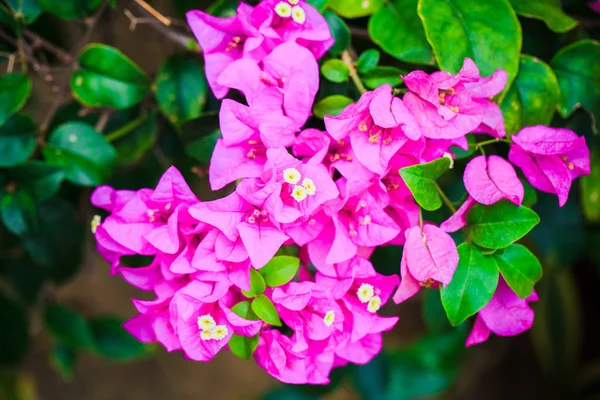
x,y
472,286
264,308
280,270
68,326
331,105
335,70
367,60
27,10
112,341
433,312
339,31
548,11
64,359
420,180
202,149
380,76
257,284
590,189
488,32
399,31
14,92
108,78
181,89
57,241
137,137
355,8
14,334
533,96
17,140
320,5
577,68
244,310
501,224
70,9
84,154
243,346
520,269
22,188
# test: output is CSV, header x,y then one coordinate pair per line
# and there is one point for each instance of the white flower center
x,y
365,292
219,332
206,322
329,318
283,9
299,193
96,221
309,185
298,14
374,304
291,176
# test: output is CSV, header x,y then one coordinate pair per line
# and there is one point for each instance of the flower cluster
x,y
335,194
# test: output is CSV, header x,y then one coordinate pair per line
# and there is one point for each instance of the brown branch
x,y
347,59
152,11
359,32
588,23
38,41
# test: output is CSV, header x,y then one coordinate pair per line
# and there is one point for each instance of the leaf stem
x,y
347,59
445,198
125,129
152,11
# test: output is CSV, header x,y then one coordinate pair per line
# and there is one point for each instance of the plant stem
x,y
481,144
125,129
445,199
152,11
347,59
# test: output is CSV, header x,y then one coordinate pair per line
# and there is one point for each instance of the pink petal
x,y
489,181
541,139
409,286
458,220
430,254
507,314
261,241
479,334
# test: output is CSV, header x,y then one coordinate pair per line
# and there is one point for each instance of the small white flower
x,y
309,185
205,335
365,292
283,9
219,332
294,2
299,193
329,318
291,175
96,221
206,323
374,304
298,14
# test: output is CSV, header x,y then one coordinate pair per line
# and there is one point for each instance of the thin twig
x,y
37,40
445,198
152,11
359,32
103,120
347,59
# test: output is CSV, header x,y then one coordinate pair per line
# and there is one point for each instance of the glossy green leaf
x,y
548,11
590,189
257,284
112,341
17,210
84,154
17,140
381,76
68,326
339,31
108,78
136,138
280,270
320,5
57,241
355,8
70,9
181,89
488,32
14,334
243,346
399,31
472,286
64,359
14,92
367,60
533,96
501,224
420,180
577,68
335,70
264,308
27,10
520,269
331,105
202,149
244,310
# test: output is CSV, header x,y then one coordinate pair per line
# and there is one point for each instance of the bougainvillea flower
x,y
289,67
506,315
595,5
458,220
377,125
449,106
550,158
489,180
429,258
275,355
